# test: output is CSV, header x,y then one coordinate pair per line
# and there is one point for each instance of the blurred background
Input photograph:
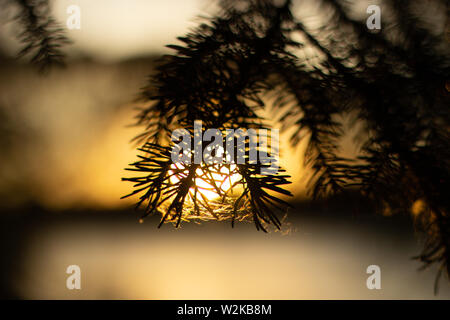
x,y
65,140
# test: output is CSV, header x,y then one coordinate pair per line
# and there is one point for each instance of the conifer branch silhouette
x,y
216,78
394,84
42,37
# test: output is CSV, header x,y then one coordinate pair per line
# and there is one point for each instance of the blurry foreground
x,y
322,257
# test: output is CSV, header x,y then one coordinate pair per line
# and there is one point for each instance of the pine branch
x,y
395,86
42,36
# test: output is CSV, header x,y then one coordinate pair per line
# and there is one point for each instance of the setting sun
x,y
211,185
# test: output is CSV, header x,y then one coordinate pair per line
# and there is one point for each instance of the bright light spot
x,y
224,179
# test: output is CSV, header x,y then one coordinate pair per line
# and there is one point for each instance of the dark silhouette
x,y
42,37
393,83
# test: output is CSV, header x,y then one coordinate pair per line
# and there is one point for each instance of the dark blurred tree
x,y
41,36
393,82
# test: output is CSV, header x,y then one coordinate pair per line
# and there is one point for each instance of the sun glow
x,y
210,184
